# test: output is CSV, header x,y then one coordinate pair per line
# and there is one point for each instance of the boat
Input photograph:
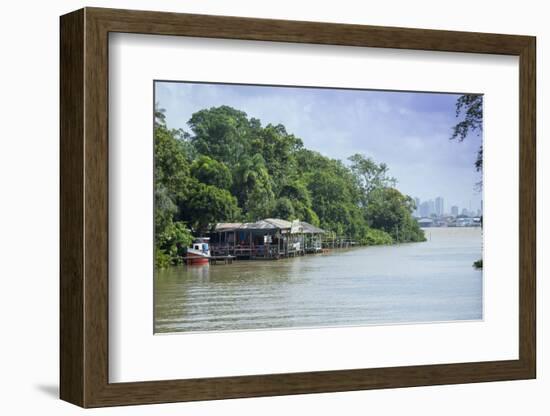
x,y
199,252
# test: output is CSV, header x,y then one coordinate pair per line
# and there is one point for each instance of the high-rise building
x,y
439,206
454,211
431,210
417,209
424,210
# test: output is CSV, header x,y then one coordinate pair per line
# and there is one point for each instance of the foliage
x,y
470,107
165,209
277,148
252,185
172,241
283,209
172,181
162,259
389,210
211,172
370,174
222,133
374,237
231,168
297,193
209,204
171,162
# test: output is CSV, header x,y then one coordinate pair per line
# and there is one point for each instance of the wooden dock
x,y
224,259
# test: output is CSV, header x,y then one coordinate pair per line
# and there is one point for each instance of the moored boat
x,y
199,252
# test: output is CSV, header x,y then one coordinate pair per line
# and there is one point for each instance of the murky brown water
x,y
418,282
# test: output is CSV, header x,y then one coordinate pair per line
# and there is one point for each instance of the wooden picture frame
x,y
84,207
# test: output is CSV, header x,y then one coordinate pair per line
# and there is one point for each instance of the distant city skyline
x,y
407,131
438,207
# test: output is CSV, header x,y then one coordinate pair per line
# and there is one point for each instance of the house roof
x,y
259,225
227,226
270,224
311,229
278,223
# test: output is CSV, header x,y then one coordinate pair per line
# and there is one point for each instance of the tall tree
x,y
371,175
278,149
470,108
171,187
208,205
391,211
296,192
222,133
252,185
211,172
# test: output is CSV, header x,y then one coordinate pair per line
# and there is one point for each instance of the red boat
x,y
199,253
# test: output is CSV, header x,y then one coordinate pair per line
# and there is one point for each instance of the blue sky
x,y
408,131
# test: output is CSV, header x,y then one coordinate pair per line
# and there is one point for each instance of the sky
x,y
409,131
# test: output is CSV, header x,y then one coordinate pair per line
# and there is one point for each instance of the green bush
x,y
171,244
375,237
162,260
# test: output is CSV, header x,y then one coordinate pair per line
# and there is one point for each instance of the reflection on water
x,y
417,282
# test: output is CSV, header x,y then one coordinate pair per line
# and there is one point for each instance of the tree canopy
x,y
470,108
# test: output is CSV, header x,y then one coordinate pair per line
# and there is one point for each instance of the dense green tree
x,y
277,148
297,193
252,185
211,172
339,195
208,205
335,201
283,209
390,211
165,209
374,237
171,242
470,108
172,181
171,162
371,175
222,133
230,168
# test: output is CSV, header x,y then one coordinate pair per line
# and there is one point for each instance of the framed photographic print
x,y
255,207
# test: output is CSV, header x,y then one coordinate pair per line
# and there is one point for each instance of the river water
x,y
417,282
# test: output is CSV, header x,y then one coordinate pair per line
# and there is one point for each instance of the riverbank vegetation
x,y
230,168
